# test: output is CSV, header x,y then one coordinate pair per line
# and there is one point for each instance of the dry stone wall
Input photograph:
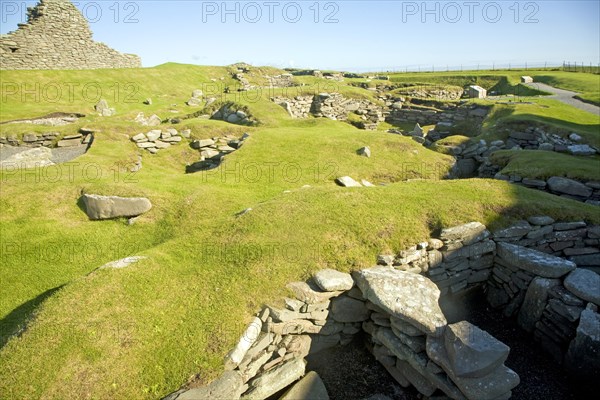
x,y
396,304
452,114
57,36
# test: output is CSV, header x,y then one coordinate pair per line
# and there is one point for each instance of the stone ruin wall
x,y
523,270
57,36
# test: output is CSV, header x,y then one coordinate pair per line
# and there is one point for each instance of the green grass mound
x,y
545,164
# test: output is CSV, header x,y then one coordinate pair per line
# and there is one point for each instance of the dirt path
x,y
565,96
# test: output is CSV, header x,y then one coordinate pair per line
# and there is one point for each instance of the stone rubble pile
x,y
536,138
279,81
103,109
333,106
158,139
234,114
153,120
196,99
244,83
214,149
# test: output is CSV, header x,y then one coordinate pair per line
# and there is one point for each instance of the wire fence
x,y
569,66
580,67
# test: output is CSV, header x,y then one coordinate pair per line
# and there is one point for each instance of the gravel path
x,y
565,96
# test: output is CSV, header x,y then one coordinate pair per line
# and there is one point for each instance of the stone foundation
x,y
396,305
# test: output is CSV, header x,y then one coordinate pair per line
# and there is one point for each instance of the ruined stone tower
x,y
57,36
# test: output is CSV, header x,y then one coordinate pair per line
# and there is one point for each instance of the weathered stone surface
x,y
590,260
69,143
566,226
366,183
310,293
534,261
420,382
346,181
568,186
473,352
415,343
465,233
541,220
248,338
310,387
489,387
275,379
583,356
123,262
571,313
417,361
33,158
346,309
404,295
284,315
331,280
585,284
364,151
300,326
107,207
581,150
516,230
227,387
152,135
535,302
140,137
405,327
473,250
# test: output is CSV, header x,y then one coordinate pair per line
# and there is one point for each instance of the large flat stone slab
x,y
346,309
227,387
536,262
310,293
466,233
490,387
473,352
568,186
331,280
346,181
32,158
107,207
404,295
585,284
275,379
535,302
248,338
583,356
310,387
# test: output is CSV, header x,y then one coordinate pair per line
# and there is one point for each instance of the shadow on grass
x,y
16,321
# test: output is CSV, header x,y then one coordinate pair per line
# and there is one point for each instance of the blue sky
x,y
350,35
